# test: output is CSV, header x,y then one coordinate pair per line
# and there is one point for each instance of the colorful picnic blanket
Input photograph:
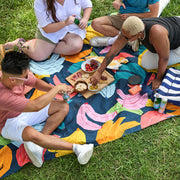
x,y
105,116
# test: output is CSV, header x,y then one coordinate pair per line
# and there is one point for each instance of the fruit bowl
x,y
90,65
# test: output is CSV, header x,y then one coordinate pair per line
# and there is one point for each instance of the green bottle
x,y
157,101
76,21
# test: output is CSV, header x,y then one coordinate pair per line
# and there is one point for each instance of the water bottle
x,y
163,105
157,101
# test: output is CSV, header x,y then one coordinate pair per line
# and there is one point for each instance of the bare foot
x,y
10,45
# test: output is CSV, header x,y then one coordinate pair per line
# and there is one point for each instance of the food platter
x,y
81,75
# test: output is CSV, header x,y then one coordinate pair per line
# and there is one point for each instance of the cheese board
x,y
106,79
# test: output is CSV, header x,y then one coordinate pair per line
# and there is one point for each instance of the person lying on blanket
x,y
18,114
161,36
110,26
57,32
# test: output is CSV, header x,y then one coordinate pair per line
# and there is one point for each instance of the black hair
x,y
15,63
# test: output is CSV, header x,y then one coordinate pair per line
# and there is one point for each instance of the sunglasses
x,y
19,78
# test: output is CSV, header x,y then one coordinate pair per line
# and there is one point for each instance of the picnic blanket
x,y
108,115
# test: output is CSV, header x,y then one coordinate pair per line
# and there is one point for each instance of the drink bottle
x,y
76,21
66,97
163,105
157,101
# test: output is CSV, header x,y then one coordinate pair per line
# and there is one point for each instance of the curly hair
x,y
15,63
52,10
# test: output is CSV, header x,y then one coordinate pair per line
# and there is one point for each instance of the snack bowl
x,y
80,86
93,88
90,65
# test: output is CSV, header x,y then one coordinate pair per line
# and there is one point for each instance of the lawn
x,y
150,154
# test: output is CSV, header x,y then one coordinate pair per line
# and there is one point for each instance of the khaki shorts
x,y
116,21
40,36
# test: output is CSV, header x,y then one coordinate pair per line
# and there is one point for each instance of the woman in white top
x,y
57,32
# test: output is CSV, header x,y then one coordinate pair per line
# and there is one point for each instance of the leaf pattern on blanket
x,y
77,137
124,55
152,117
4,141
108,91
119,108
5,160
76,58
133,102
105,50
174,108
85,123
114,130
50,66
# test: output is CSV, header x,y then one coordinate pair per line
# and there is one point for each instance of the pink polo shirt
x,y
13,101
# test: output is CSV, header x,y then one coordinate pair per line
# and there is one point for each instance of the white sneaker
x,y
34,152
83,152
134,45
99,41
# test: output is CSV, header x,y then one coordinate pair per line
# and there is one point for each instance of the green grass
x,y
150,154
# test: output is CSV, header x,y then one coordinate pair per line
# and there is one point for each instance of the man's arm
x,y
116,47
42,85
43,100
153,12
159,39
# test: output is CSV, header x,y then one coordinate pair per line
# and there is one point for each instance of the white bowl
x,y
83,65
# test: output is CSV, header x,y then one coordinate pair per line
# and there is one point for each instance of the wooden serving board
x,y
102,83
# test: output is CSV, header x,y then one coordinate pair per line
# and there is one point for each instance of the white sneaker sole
x,y
38,162
84,157
99,41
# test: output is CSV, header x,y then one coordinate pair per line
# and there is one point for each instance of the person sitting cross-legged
x,y
57,31
18,114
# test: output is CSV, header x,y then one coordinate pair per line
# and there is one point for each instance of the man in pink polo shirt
x,y
18,114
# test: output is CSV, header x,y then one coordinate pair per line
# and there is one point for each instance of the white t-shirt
x,y
62,13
